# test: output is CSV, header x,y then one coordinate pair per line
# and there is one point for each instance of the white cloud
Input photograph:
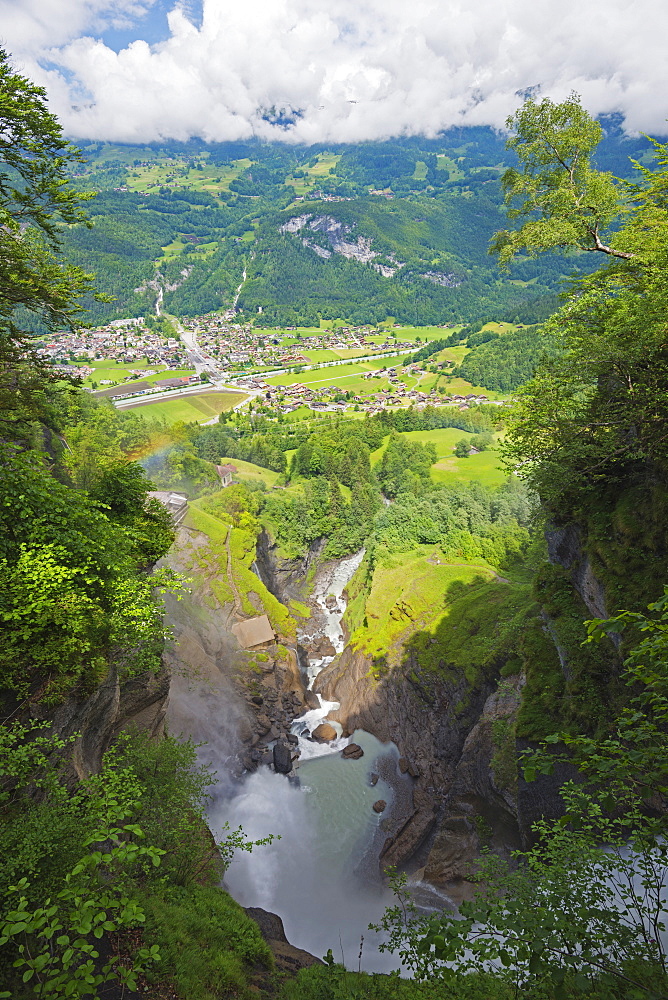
x,y
353,69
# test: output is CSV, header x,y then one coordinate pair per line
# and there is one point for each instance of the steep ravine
x,y
446,737
456,740
447,749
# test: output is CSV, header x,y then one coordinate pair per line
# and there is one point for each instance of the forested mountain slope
x,y
360,232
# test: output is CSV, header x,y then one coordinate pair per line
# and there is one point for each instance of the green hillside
x,y
188,219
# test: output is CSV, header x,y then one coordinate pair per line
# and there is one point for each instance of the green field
x,y
247,472
171,172
115,371
322,376
485,467
409,591
351,378
320,354
315,173
199,407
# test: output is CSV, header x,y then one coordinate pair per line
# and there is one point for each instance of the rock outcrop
x,y
96,721
428,719
564,548
324,733
237,701
287,957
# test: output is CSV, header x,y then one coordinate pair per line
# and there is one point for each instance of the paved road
x,y
223,383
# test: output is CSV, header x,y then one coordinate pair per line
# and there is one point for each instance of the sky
x,y
313,71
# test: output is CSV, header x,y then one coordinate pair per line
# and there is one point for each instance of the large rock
x,y
282,758
312,700
324,733
353,751
379,806
288,958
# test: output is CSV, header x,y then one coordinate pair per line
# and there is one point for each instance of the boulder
x,y
353,751
311,700
379,806
288,958
293,739
245,729
331,602
325,648
324,733
282,758
373,779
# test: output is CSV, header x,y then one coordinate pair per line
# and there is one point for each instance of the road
x,y
223,383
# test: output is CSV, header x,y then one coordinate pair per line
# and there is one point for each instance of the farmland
x,y
484,467
199,407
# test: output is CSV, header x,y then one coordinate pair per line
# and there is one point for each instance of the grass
x,y
248,472
242,551
172,172
120,373
408,592
208,946
315,174
485,467
198,407
116,371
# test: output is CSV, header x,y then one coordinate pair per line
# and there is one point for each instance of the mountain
x,y
356,232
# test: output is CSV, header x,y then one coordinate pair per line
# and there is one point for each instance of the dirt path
x,y
238,607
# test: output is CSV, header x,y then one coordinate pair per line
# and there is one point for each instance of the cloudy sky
x,y
332,70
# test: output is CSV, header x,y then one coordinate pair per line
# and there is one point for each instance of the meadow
x,y
409,591
485,467
197,408
248,472
174,173
117,372
350,377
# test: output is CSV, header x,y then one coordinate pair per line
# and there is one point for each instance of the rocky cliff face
x,y
114,706
565,548
458,744
445,734
285,578
236,701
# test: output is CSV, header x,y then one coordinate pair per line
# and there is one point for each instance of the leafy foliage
x,y
567,202
72,602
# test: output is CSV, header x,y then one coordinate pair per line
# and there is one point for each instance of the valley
x,y
331,565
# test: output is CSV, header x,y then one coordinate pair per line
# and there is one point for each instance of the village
x,y
234,346
335,398
122,341
250,359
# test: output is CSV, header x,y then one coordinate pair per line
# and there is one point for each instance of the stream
x,y
322,875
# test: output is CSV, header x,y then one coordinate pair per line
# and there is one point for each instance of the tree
x,y
567,203
577,917
593,418
38,288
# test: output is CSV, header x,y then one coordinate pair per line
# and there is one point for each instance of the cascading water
x,y
322,875
328,598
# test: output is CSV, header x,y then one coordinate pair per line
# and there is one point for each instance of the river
x,y
322,875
